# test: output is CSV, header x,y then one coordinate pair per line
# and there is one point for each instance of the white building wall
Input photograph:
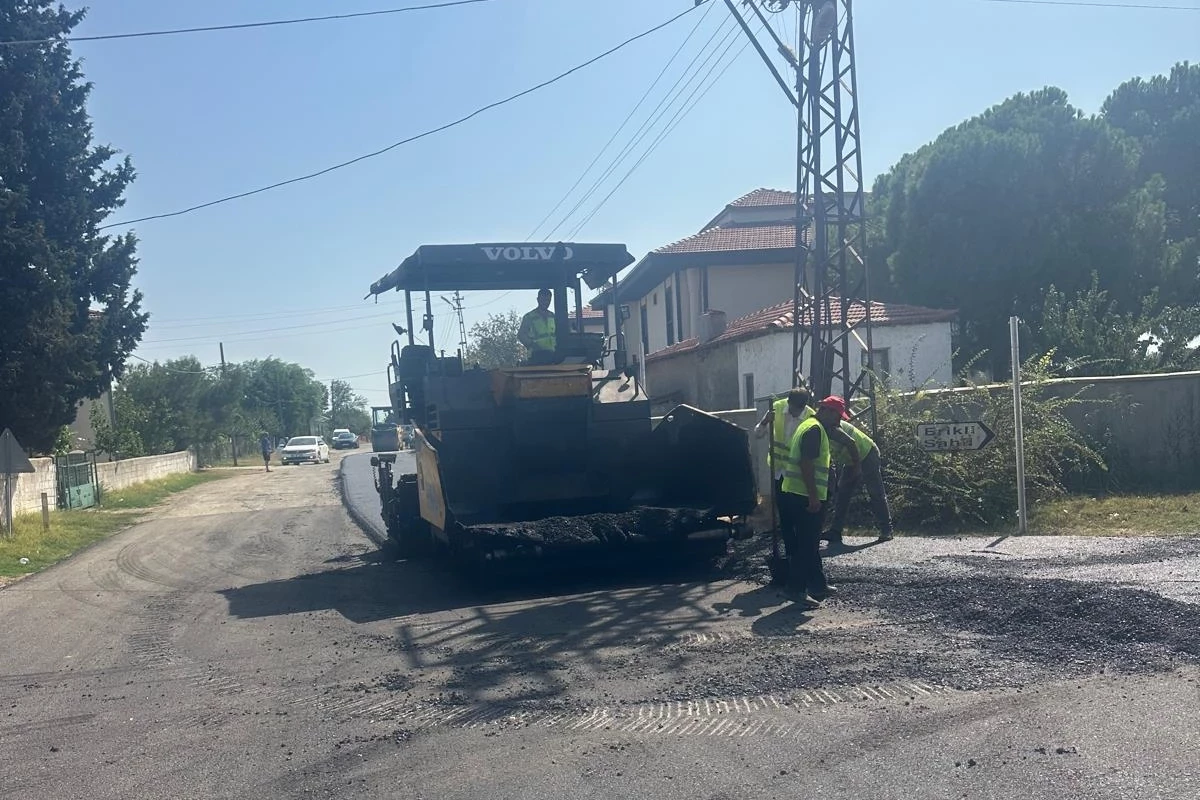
x,y
919,356
739,291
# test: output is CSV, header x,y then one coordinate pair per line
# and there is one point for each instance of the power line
x,y
647,124
197,322
242,25
624,122
1087,4
673,123
410,139
227,335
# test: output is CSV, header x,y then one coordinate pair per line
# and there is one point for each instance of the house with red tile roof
x,y
711,314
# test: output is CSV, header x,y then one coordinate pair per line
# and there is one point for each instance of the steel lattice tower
x,y
831,304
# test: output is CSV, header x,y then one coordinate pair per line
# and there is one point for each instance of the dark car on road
x,y
344,440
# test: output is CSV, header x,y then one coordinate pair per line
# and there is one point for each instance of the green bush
x,y
969,489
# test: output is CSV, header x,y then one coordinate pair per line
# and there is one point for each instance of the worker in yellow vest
x,y
537,331
859,464
781,419
805,490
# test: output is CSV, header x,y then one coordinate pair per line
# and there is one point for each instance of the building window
x,y
748,381
645,329
883,362
670,303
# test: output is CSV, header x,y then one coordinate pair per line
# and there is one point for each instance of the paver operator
x,y
859,464
805,490
537,330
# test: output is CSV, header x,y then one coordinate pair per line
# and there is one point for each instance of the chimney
x,y
712,325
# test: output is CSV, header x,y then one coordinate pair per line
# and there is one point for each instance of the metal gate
x,y
77,480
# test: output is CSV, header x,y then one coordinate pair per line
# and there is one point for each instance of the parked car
x,y
301,449
343,439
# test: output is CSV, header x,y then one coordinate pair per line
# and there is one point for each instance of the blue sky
x,y
283,273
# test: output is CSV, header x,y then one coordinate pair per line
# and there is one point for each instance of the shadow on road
x,y
367,587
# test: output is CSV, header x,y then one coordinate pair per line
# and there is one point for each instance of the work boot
x,y
802,599
830,591
887,536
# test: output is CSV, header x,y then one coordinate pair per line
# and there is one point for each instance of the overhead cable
x,y
410,139
238,25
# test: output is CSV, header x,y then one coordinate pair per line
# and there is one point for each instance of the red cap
x,y
837,404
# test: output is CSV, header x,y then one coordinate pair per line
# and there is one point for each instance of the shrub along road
x,y
247,641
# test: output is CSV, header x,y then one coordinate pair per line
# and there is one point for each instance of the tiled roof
x,y
770,236
590,313
765,197
779,318
678,347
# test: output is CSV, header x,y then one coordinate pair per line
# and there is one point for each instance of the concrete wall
x,y
28,487
119,474
706,379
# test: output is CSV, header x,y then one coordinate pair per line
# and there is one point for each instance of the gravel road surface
x,y
247,641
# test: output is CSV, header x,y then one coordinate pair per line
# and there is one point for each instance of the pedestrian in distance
x,y
264,442
805,490
860,464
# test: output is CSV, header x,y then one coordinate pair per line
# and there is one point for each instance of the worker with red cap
x,y
857,457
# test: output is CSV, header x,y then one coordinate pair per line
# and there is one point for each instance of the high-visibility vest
x,y
541,330
793,479
779,440
863,443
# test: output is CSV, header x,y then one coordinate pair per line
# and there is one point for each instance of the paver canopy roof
x,y
501,265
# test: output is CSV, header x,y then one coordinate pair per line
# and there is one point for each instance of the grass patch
x,y
71,531
151,493
1119,515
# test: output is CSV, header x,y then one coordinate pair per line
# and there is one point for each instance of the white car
x,y
300,449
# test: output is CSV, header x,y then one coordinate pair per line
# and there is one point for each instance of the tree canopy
x,y
1035,209
161,408
347,408
492,342
70,318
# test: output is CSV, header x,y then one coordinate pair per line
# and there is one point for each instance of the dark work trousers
x,y
849,482
802,538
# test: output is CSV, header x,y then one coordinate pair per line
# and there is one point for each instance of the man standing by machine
x,y
805,489
537,332
781,420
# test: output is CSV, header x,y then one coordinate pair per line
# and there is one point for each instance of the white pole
x,y
1014,335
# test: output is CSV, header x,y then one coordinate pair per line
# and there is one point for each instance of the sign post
x,y
1014,335
12,461
949,437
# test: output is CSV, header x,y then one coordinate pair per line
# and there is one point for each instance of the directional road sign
x,y
954,436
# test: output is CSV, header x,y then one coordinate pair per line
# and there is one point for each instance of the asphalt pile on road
x,y
1071,626
646,523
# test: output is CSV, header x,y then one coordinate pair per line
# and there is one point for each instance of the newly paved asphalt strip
x,y
359,494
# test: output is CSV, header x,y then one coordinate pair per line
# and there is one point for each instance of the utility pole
x,y
831,298
457,305
233,435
